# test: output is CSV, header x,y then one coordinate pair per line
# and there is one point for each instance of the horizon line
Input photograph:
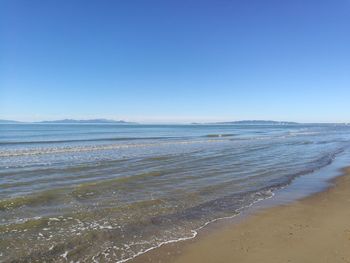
x,y
121,121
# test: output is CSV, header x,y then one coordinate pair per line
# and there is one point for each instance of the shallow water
x,y
105,193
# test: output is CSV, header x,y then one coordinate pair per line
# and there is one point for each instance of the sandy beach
x,y
314,229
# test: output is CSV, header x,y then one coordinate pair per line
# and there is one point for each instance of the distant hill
x,y
258,122
9,122
72,121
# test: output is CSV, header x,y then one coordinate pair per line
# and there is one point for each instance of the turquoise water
x,y
107,192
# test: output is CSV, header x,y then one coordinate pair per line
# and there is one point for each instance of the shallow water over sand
x,y
105,193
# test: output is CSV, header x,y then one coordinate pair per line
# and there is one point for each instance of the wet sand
x,y
314,229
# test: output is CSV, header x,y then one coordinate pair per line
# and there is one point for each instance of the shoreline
x,y
314,228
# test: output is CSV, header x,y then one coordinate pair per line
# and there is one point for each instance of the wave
x,y
87,140
79,192
296,133
33,200
219,135
89,148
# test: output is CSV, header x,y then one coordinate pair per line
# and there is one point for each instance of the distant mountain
x,y
258,122
72,121
9,122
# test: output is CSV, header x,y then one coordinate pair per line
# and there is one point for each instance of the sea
x,y
110,192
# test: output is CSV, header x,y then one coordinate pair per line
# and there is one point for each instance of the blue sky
x,y
175,61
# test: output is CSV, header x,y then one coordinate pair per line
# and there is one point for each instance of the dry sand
x,y
314,229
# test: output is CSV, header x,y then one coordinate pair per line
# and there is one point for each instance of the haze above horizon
x,y
175,61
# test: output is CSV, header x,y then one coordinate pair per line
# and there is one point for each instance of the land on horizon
x,y
70,121
106,121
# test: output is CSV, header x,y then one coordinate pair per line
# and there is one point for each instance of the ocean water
x,y
106,192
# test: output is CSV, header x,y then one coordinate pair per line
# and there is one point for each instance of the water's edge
x,y
284,195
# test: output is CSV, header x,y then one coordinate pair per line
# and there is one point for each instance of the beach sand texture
x,y
314,229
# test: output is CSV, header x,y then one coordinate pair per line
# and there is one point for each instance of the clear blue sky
x,y
175,61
